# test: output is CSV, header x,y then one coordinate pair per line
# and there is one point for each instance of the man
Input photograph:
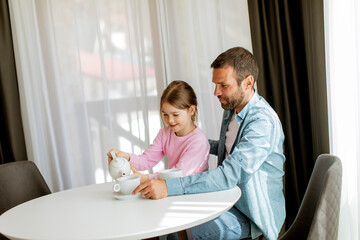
x,y
250,155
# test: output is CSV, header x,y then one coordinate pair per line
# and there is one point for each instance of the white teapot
x,y
119,167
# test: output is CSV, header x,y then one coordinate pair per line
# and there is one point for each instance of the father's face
x,y
230,94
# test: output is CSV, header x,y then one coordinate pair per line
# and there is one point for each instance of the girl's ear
x,y
192,109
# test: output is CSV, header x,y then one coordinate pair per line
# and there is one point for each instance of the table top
x,y
92,212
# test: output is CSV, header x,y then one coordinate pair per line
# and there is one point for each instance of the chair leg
x,y
185,235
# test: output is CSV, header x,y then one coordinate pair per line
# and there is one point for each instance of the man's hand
x,y
154,189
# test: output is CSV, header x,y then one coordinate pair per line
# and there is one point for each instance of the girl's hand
x,y
143,177
118,154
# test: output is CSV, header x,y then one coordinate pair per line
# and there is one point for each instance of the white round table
x,y
92,212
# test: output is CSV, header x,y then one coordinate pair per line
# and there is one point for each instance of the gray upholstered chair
x,y
20,182
318,216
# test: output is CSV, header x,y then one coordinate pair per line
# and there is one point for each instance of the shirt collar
x,y
254,99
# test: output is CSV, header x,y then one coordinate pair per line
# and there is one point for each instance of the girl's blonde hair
x,y
180,95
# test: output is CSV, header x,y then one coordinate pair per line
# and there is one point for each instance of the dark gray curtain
x,y
288,42
12,142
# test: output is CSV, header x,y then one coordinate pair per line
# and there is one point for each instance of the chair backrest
x,y
318,216
20,182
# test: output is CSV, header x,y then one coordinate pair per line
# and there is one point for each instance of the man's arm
x,y
247,157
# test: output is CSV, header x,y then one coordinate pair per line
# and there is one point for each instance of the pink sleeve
x,y
195,158
153,176
151,156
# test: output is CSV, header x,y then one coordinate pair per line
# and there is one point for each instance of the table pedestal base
x,y
182,235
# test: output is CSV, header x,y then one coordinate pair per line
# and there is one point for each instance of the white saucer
x,y
125,196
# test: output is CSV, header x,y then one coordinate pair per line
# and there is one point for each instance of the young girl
x,y
185,145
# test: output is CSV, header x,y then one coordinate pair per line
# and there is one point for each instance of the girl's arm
x,y
151,156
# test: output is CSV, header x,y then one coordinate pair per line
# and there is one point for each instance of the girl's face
x,y
179,120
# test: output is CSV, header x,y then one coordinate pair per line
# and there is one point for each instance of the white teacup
x,y
126,185
171,173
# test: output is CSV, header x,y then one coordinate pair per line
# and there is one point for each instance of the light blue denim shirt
x,y
255,164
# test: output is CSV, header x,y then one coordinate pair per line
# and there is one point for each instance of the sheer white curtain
x,y
194,33
342,25
91,73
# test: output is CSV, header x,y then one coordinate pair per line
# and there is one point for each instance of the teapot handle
x,y
113,154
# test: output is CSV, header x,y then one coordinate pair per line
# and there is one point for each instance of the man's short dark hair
x,y
242,61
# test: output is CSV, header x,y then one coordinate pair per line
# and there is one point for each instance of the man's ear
x,y
248,82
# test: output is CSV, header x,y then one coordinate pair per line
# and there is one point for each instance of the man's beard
x,y
234,102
